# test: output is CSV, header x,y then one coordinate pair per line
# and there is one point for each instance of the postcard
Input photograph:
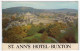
x,y
51,25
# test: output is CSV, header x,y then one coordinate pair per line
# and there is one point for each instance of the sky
x,y
41,5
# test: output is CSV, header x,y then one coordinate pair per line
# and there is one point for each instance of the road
x,y
54,39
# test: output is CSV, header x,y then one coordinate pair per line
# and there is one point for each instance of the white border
x,y
40,0
0,26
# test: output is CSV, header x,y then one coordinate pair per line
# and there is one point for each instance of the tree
x,y
34,40
14,34
54,30
5,22
44,37
13,18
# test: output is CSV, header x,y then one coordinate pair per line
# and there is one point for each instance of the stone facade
x,y
29,18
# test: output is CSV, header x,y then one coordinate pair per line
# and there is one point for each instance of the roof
x,y
28,13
